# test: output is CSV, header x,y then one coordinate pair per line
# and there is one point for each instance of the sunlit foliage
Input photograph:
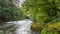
x,y
43,11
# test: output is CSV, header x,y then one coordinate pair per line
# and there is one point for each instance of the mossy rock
x,y
37,26
54,27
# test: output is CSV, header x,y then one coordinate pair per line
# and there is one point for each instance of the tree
x,y
9,11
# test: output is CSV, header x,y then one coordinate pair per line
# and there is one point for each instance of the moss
x,y
37,26
54,27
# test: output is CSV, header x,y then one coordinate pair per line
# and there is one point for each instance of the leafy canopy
x,y
9,11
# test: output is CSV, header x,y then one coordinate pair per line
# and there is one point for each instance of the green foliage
x,y
9,11
44,31
47,9
43,11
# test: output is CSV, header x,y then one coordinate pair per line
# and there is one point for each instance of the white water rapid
x,y
23,26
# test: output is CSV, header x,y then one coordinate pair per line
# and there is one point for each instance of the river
x,y
23,26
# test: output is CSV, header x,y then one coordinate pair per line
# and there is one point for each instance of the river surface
x,y
23,26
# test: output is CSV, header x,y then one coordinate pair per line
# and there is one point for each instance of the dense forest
x,y
44,13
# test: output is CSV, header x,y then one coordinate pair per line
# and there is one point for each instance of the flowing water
x,y
23,26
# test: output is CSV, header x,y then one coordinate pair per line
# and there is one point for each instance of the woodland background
x,y
44,13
